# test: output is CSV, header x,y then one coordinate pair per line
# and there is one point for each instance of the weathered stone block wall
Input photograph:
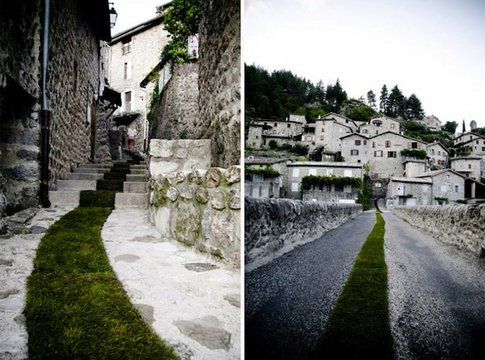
x,y
176,115
197,205
275,226
73,84
219,79
19,90
460,225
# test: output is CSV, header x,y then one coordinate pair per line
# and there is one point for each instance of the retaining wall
x,y
275,226
460,225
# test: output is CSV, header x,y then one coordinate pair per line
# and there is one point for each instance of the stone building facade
x,y
437,154
470,166
409,191
328,132
132,55
446,184
431,122
74,89
379,125
354,148
220,79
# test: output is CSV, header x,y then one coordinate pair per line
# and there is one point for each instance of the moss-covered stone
x,y
97,198
110,184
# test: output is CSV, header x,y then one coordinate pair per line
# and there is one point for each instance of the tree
x,y
357,110
384,100
450,127
181,21
396,104
320,92
414,109
464,127
371,99
335,96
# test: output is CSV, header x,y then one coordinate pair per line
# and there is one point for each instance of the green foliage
x,y
357,110
181,21
450,127
358,327
273,144
464,151
414,153
184,134
316,181
267,171
155,97
414,108
365,196
300,149
441,199
479,131
339,157
461,201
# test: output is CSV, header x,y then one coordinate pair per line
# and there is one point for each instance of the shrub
x,y
415,153
311,180
267,171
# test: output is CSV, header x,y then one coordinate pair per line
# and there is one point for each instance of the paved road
x,y
289,300
436,296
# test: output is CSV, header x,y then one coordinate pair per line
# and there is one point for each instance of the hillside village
x,y
337,159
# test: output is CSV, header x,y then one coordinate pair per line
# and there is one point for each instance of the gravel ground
x,y
436,296
289,300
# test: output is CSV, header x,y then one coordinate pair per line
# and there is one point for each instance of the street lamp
x,y
113,15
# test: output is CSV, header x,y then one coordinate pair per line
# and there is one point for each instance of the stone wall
x,y
176,115
219,79
460,225
73,85
194,203
275,226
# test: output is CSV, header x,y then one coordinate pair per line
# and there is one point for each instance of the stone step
x,y
76,184
135,187
91,170
143,167
139,171
136,177
131,200
83,176
96,166
62,198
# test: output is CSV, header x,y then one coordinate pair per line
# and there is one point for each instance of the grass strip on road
x,y
76,308
358,327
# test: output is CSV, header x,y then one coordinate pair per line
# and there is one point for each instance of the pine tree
x,y
371,99
396,103
464,128
414,108
384,100
320,90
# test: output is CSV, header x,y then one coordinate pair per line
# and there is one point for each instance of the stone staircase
x,y
85,177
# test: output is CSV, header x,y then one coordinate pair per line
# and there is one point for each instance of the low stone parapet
x,y
275,226
460,225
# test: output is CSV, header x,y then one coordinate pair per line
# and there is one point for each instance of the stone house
x,y
475,146
384,153
379,125
262,185
464,138
75,95
329,130
341,120
278,164
298,170
286,131
409,191
470,166
415,167
355,148
132,55
431,122
438,154
448,184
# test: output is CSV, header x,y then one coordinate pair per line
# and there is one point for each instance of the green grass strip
x,y
76,308
110,184
358,327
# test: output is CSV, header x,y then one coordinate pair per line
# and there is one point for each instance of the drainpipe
x,y
45,113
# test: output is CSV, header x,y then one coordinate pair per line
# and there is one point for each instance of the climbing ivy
x,y
267,171
312,180
181,21
415,153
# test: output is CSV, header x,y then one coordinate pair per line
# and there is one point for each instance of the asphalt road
x,y
289,300
436,296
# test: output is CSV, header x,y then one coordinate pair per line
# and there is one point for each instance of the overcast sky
x,y
134,12
434,48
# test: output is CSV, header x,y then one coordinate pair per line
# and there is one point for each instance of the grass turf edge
x,y
75,306
358,327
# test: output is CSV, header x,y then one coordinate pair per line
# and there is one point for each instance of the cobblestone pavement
x,y
436,296
17,254
191,301
289,300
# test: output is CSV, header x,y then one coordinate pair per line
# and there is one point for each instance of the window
x,y
354,152
483,148
469,166
126,71
348,173
257,178
348,188
322,137
275,124
373,144
377,185
392,126
432,152
378,153
357,142
294,187
414,145
296,172
126,47
391,154
128,101
457,188
388,143
323,130
288,125
365,142
365,131
339,187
